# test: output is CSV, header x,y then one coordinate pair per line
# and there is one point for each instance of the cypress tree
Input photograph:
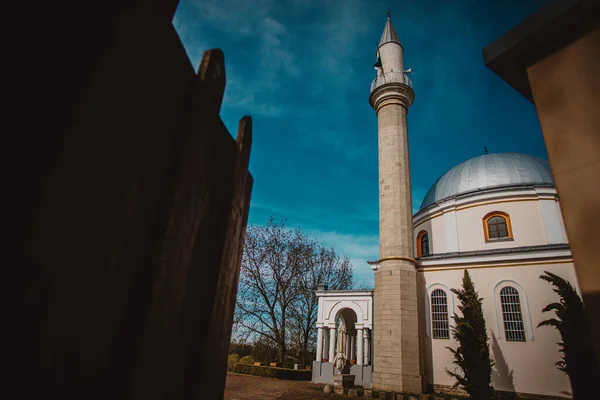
x,y
473,354
578,360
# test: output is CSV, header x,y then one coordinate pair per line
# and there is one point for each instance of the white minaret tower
x,y
396,357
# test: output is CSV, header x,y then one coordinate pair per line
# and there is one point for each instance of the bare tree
x,y
327,268
280,271
272,261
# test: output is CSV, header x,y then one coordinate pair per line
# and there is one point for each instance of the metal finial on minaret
x,y
485,150
388,13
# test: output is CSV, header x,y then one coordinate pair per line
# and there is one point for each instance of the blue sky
x,y
302,70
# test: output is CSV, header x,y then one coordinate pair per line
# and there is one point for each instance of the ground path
x,y
247,387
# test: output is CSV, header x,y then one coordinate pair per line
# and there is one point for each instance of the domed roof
x,y
488,171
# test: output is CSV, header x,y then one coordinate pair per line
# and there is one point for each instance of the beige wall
x,y
566,91
530,363
437,242
524,217
528,226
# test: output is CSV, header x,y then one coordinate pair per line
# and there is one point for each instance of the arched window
x,y
514,329
422,244
439,314
496,226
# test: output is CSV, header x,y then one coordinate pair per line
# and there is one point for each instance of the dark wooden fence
x,y
131,212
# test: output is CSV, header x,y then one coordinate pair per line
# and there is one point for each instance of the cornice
x,y
482,197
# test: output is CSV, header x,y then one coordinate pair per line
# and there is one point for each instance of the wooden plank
x,y
209,373
194,244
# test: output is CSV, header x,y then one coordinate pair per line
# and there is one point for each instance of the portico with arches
x,y
344,331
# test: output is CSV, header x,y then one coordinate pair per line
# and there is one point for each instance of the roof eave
x,y
553,27
485,190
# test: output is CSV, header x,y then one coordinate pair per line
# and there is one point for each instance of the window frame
x,y
433,311
525,315
510,302
486,228
428,309
420,246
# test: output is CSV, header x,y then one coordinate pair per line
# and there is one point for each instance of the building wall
x,y
566,91
526,367
534,220
525,218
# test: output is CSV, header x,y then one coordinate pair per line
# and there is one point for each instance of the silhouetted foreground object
x,y
578,360
133,211
552,59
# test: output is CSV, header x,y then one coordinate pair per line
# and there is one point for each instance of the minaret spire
x,y
389,33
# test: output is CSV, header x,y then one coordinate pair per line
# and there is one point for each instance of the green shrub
x,y
578,360
473,354
231,361
249,360
273,372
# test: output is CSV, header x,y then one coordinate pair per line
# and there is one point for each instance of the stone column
x,y
325,354
348,346
367,346
331,344
396,357
359,350
319,355
352,347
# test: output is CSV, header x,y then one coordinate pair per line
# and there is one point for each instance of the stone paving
x,y
246,387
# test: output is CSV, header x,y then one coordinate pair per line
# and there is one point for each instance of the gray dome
x,y
488,171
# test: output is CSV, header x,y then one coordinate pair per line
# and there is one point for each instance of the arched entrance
x,y
345,348
344,324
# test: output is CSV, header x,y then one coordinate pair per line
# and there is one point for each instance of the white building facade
x,y
497,216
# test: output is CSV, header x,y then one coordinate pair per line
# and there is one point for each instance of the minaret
x,y
396,357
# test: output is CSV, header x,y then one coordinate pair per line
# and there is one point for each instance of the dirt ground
x,y
246,387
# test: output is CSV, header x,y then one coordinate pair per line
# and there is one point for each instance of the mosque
x,y
497,216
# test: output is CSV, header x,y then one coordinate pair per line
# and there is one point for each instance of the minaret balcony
x,y
390,77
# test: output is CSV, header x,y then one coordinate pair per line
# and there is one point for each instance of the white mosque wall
x,y
562,221
456,225
331,303
525,367
525,219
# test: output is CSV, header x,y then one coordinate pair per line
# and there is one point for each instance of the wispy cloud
x,y
302,69
255,73
418,194
271,66
192,43
358,248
